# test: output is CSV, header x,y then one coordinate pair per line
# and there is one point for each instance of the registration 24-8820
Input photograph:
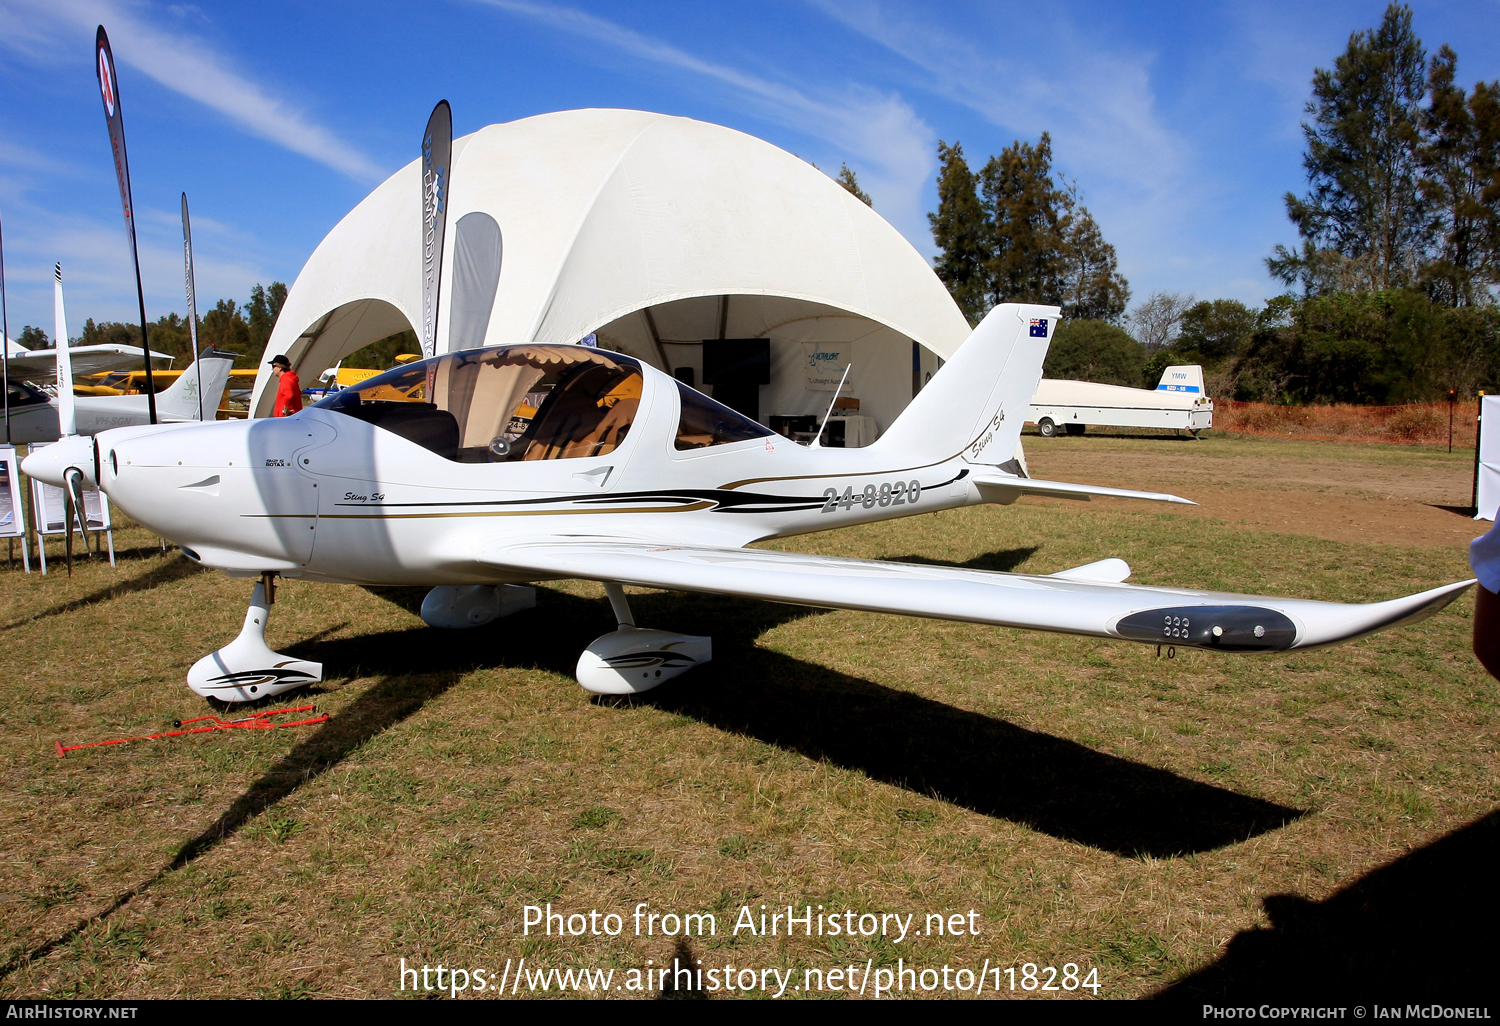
x,y
886,494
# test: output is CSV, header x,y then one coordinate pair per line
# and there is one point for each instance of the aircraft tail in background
x,y
1182,379
180,401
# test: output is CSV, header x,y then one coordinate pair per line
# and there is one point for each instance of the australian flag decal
x,y
1039,327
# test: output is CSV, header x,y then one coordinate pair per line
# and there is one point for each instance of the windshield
x,y
22,394
705,422
503,404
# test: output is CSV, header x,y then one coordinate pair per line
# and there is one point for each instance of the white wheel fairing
x,y
246,670
632,660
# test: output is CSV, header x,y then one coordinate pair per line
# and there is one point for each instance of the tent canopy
x,y
651,231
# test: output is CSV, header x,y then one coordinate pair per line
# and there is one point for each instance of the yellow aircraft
x,y
133,382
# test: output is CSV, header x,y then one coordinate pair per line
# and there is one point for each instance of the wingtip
x,y
1358,621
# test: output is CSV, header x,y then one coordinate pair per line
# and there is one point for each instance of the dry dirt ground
x,y
1207,825
1354,492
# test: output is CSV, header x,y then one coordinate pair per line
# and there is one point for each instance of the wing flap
x,y
1070,605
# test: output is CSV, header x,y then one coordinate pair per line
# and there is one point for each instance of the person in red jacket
x,y
288,389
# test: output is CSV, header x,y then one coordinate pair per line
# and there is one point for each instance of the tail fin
x,y
180,402
67,416
1182,379
977,402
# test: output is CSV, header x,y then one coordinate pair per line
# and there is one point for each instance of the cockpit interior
x,y
526,402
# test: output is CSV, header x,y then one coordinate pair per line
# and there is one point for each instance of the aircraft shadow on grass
x,y
981,763
165,572
984,764
1421,927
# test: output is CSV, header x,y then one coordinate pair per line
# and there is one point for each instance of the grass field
x,y
1092,803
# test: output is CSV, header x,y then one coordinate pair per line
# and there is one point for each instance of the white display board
x,y
50,507
12,514
1488,499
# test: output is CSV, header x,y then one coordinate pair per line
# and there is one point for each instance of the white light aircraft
x,y
485,469
36,416
39,366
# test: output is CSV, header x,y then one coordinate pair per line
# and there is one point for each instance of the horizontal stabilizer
x,y
1069,605
1006,488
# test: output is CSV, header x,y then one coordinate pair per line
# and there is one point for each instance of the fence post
x,y
1452,397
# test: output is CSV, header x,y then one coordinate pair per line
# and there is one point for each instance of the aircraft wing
x,y
1074,602
39,366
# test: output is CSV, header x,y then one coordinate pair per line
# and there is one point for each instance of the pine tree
x,y
1459,162
1095,289
962,234
848,181
1030,217
1361,161
224,327
261,313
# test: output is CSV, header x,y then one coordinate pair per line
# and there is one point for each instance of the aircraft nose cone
x,y
52,463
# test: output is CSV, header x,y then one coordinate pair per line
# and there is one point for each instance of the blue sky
x,y
1179,122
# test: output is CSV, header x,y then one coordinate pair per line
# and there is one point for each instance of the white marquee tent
x,y
653,232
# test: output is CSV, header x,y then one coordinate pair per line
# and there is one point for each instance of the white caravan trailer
x,y
1178,402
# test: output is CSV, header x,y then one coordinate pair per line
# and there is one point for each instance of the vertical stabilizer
x,y
1182,379
67,416
975,405
183,400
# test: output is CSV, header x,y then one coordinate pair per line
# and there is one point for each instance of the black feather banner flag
x,y
109,91
437,151
192,296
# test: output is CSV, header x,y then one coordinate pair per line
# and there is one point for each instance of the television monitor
x,y
737,361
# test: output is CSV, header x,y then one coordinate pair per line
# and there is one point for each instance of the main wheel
x,y
1046,428
1073,429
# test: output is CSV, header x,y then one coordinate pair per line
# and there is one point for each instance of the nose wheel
x,y
246,670
631,660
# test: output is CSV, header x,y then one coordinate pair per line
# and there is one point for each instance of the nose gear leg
x,y
246,669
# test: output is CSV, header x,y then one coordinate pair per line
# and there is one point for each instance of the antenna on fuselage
x,y
818,442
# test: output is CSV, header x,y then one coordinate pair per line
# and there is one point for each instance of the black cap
x,y
282,360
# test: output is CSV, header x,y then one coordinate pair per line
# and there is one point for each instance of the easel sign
x,y
49,503
12,517
12,512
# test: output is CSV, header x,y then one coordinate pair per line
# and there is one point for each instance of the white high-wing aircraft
x,y
39,366
484,469
34,414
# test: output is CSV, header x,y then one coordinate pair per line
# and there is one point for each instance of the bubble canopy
x,y
526,402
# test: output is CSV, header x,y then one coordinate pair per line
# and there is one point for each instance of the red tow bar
x,y
255,721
